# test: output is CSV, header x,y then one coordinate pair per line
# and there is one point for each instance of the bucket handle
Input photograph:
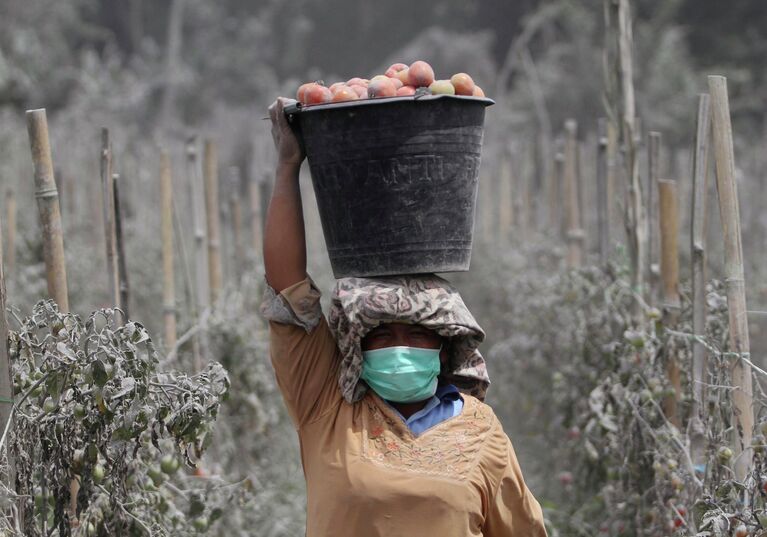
x,y
292,111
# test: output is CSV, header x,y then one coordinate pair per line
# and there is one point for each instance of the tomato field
x,y
618,264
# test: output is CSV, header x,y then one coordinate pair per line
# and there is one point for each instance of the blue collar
x,y
445,403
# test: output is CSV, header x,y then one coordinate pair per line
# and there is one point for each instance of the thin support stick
x,y
122,266
574,234
108,207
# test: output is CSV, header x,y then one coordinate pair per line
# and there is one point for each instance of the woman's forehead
x,y
400,325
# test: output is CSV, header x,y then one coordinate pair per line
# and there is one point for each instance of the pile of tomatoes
x,y
399,80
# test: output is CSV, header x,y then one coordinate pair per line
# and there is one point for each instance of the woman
x,y
389,445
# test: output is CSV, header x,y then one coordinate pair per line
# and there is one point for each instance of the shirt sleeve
x,y
513,511
303,351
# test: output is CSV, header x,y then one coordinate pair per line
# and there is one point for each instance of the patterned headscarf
x,y
360,304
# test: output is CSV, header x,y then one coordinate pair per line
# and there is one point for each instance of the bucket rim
x,y
298,108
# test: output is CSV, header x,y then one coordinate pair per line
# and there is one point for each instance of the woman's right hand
x,y
288,149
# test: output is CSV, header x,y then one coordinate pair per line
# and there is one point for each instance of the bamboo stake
x,y
213,220
574,234
201,255
669,235
527,173
505,203
669,269
71,202
48,206
122,267
698,246
742,395
612,169
552,179
558,192
603,210
255,216
10,209
651,184
618,14
108,209
168,282
236,223
6,378
53,237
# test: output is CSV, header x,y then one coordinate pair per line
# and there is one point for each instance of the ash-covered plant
x,y
255,443
98,429
621,461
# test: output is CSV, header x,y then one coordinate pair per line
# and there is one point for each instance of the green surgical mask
x,y
402,374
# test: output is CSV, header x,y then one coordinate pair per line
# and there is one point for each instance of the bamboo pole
x,y
740,370
574,232
108,209
122,267
254,187
48,206
10,209
527,173
236,221
668,196
6,378
559,165
603,209
168,287
53,237
669,269
71,202
202,295
213,220
552,210
620,76
697,430
505,203
651,185
612,169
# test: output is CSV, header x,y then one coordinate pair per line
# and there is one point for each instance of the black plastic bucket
x,y
395,181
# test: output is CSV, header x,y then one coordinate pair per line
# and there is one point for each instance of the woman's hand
x,y
288,149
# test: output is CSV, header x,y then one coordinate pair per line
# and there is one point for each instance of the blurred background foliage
x,y
241,52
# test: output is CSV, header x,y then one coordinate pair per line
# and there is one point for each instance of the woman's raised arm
x,y
284,236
